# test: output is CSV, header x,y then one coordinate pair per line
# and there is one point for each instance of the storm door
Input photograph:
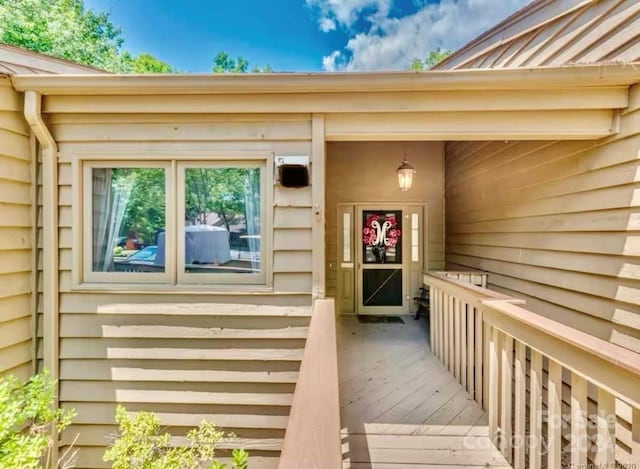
x,y
381,275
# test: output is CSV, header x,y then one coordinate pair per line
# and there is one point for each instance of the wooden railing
x,y
312,439
555,396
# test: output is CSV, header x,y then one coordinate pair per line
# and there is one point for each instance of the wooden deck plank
x,y
401,407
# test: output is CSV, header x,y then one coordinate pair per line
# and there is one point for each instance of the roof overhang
x,y
570,102
448,80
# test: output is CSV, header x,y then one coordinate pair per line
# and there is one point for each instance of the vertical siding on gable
x,y
556,223
15,236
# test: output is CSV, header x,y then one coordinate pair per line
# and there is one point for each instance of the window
x,y
221,232
127,207
218,236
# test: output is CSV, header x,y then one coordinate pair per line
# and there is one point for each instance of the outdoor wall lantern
x,y
405,175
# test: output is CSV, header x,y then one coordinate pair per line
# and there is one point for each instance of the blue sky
x,y
301,35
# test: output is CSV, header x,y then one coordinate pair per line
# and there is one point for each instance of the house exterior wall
x,y
365,172
557,32
147,350
555,223
16,236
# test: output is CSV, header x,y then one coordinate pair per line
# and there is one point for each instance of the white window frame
x,y
88,274
191,278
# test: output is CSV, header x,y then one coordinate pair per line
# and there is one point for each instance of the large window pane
x,y
128,208
222,220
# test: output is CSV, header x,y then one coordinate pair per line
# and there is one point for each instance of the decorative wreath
x,y
381,231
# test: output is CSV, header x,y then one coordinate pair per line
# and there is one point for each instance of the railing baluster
x,y
519,429
470,348
506,380
480,347
635,436
554,422
457,339
606,440
442,328
535,411
463,344
494,383
579,414
432,321
450,338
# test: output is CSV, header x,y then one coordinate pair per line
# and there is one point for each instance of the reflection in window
x,y
222,220
128,209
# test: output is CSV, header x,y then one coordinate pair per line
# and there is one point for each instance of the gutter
x,y
50,267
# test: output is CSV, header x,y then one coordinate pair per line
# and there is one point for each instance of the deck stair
x,y
236,365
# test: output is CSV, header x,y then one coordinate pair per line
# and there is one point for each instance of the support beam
x,y
318,182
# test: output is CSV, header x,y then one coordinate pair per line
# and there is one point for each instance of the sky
x,y
301,35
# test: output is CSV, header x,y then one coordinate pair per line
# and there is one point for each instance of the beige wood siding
x,y
557,32
16,243
229,357
555,223
359,172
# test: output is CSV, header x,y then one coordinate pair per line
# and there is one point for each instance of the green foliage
x,y
144,63
145,212
219,190
434,58
141,444
68,30
224,63
27,418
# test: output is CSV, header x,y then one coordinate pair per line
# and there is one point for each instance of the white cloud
x,y
392,43
346,12
327,24
329,61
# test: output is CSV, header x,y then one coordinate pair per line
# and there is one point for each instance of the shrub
x,y
27,418
141,444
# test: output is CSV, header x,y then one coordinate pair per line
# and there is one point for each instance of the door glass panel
x,y
382,287
415,238
346,237
382,236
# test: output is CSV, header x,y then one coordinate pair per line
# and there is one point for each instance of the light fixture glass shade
x,y
405,175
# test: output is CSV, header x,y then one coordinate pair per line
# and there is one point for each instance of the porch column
x,y
318,204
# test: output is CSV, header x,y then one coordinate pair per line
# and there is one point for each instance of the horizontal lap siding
x,y
15,236
366,173
556,223
157,352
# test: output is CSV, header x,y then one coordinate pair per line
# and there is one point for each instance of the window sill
x,y
166,289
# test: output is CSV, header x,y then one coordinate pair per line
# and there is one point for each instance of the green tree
x,y
145,63
68,30
433,58
224,63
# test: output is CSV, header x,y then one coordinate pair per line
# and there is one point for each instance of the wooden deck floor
x,y
400,408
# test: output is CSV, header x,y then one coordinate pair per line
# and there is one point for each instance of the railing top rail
x,y
312,439
440,280
607,351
